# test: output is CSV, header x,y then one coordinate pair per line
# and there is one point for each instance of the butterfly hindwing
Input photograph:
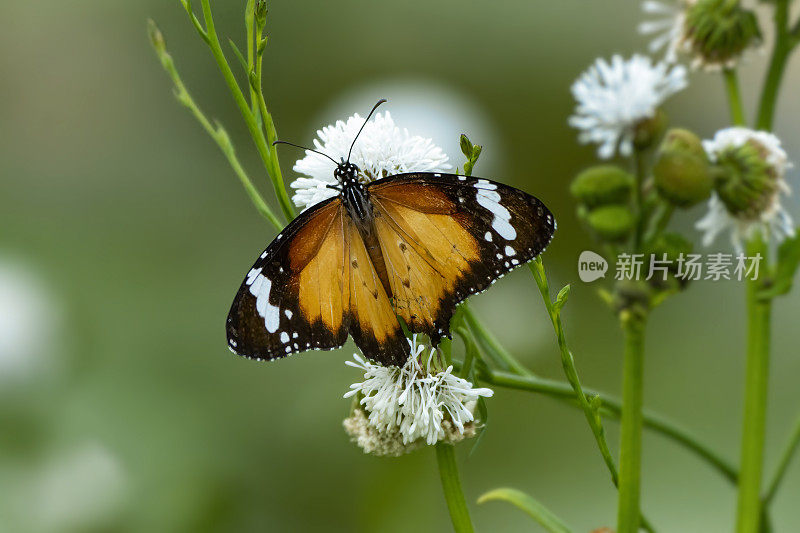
x,y
296,296
446,237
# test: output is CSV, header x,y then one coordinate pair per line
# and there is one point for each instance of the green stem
x,y
638,199
267,156
217,133
734,96
630,454
755,402
791,447
781,49
590,408
451,485
612,406
568,364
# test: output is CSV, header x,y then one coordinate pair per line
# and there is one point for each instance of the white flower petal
x,y
414,401
614,96
381,150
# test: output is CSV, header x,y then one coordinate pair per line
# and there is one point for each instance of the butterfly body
x,y
411,246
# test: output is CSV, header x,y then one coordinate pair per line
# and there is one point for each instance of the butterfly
x,y
409,246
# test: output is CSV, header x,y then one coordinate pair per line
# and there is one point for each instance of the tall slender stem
x,y
217,132
451,485
267,156
784,43
638,199
630,454
734,97
755,401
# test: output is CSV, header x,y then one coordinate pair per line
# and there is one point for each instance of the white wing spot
x,y
510,251
288,314
284,337
260,288
483,184
264,254
251,276
488,236
501,221
462,178
294,335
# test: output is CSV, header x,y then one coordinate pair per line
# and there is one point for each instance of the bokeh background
x,y
124,236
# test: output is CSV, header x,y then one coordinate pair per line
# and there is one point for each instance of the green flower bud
x,y
672,245
648,131
261,13
602,185
156,37
611,222
466,145
682,173
632,296
717,32
746,182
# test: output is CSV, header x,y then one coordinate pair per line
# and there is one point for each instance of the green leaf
x,y
788,261
483,415
525,503
239,56
561,299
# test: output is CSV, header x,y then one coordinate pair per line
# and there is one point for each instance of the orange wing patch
x,y
319,253
428,253
373,324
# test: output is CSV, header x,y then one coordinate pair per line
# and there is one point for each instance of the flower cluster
x,y
382,149
615,97
415,402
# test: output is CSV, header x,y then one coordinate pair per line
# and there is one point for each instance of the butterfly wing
x,y
446,237
296,297
373,323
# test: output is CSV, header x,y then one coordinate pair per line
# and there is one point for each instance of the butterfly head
x,y
346,173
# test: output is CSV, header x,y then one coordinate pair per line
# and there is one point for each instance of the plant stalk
x,y
630,455
755,401
781,49
734,96
451,485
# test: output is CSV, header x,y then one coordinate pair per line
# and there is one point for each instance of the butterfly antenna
x,y
306,148
382,100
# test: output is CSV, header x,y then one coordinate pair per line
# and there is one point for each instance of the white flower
x,y
667,26
414,401
614,97
769,216
381,150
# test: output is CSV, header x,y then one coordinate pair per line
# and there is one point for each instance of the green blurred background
x,y
124,236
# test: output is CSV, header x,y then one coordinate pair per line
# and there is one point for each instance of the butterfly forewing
x,y
296,295
446,237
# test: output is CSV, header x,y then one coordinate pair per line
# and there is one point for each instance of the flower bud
x,y
646,132
682,173
602,185
717,32
611,222
261,13
156,38
746,182
631,295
